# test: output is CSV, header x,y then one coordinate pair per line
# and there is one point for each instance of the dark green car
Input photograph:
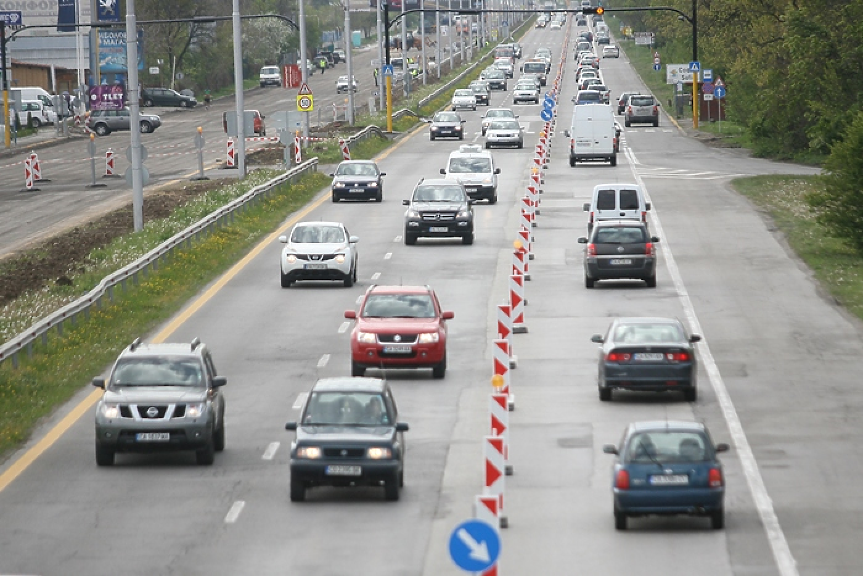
x,y
166,97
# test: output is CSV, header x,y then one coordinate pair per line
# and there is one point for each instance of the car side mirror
x,y
586,207
582,240
354,239
443,171
516,115
463,121
610,449
722,447
654,239
497,170
566,133
647,205
597,338
402,427
448,315
219,381
383,173
695,338
283,239
262,116
406,202
332,174
291,426
351,314
99,383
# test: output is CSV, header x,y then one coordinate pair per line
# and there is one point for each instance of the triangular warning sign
x,y
304,89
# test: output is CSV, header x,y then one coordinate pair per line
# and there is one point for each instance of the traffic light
x,y
599,10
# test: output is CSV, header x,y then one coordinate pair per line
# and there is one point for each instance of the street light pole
x,y
349,44
238,83
134,117
694,22
304,74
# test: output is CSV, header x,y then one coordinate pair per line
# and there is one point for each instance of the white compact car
x,y
463,98
525,91
342,84
319,251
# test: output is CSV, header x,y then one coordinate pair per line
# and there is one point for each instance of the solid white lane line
x,y
323,361
271,450
344,327
234,512
775,536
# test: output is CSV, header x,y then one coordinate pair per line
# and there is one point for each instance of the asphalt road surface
x,y
777,381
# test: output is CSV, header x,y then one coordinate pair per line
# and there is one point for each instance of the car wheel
x,y
717,519
656,123
104,455
619,520
146,127
690,394
588,281
34,123
401,479
349,279
206,455
148,102
572,161
487,146
431,137
410,239
651,282
219,437
461,136
357,370
521,143
335,197
391,488
467,238
439,371
379,197
613,160
298,490
605,394
101,130
286,282
627,123
183,104
493,199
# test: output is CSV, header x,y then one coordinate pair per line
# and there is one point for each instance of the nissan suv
x,y
399,327
103,122
439,208
161,397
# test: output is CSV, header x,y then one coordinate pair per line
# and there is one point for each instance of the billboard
x,y
112,51
675,73
107,97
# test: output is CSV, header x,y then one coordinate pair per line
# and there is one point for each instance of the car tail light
x,y
715,479
629,110
572,144
618,357
656,110
591,249
677,356
649,249
621,482
644,216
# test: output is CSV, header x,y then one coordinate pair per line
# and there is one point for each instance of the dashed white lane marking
x,y
323,361
271,450
388,255
344,327
301,399
234,512
376,275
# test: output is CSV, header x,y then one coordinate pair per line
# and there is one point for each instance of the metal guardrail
x,y
142,265
365,133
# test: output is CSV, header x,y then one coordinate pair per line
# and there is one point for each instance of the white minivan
x,y
619,201
474,168
592,135
34,93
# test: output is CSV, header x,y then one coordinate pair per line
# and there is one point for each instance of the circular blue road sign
x,y
657,67
719,92
545,114
474,546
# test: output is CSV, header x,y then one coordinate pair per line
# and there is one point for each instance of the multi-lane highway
x,y
777,381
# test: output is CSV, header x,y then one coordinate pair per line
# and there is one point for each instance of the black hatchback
x,y
166,97
619,250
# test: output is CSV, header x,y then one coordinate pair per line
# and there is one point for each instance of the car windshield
x,y
647,333
668,446
447,117
463,93
346,409
318,235
439,194
499,114
398,306
504,125
270,70
160,371
494,74
469,165
356,170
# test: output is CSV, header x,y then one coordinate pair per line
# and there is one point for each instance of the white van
x,y
474,168
592,135
36,113
618,201
34,93
270,76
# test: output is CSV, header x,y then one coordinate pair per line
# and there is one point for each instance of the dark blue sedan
x,y
667,468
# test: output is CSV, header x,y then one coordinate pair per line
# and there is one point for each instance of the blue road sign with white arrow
x,y
474,546
719,92
545,114
549,102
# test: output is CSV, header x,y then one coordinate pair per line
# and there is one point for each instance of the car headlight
x,y
458,128
195,410
111,410
412,214
434,128
486,181
291,258
310,452
378,453
464,213
373,184
339,185
340,258
428,337
366,337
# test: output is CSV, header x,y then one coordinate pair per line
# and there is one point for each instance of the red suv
x,y
399,327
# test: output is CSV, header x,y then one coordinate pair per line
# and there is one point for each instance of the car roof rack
x,y
135,343
195,343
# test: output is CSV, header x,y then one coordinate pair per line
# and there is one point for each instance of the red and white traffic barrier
x,y
498,411
298,154
262,139
346,152
504,332
519,263
501,369
533,193
526,241
528,217
495,472
109,163
485,508
35,167
517,301
232,154
28,174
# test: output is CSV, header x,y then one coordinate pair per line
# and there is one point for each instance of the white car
x,y
555,25
463,98
474,169
525,91
342,84
494,114
504,132
319,251
611,52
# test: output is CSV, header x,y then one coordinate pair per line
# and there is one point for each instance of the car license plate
x,y
438,229
315,266
620,261
153,437
344,470
669,480
647,356
357,190
398,349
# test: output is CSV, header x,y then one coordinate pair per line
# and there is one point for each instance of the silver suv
x,y
161,397
103,122
642,108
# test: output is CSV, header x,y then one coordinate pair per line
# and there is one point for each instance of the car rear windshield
x,y
589,96
398,306
641,100
161,371
668,446
346,408
622,235
629,200
646,333
534,67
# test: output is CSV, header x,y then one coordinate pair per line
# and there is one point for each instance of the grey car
x,y
619,249
161,397
642,109
439,209
649,355
103,122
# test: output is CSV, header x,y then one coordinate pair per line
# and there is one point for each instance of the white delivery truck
x,y
592,135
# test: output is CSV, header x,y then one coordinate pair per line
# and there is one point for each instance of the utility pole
x,y
304,74
238,83
134,117
349,43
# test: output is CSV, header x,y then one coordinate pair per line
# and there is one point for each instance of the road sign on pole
x,y
719,92
695,66
707,75
11,18
474,546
